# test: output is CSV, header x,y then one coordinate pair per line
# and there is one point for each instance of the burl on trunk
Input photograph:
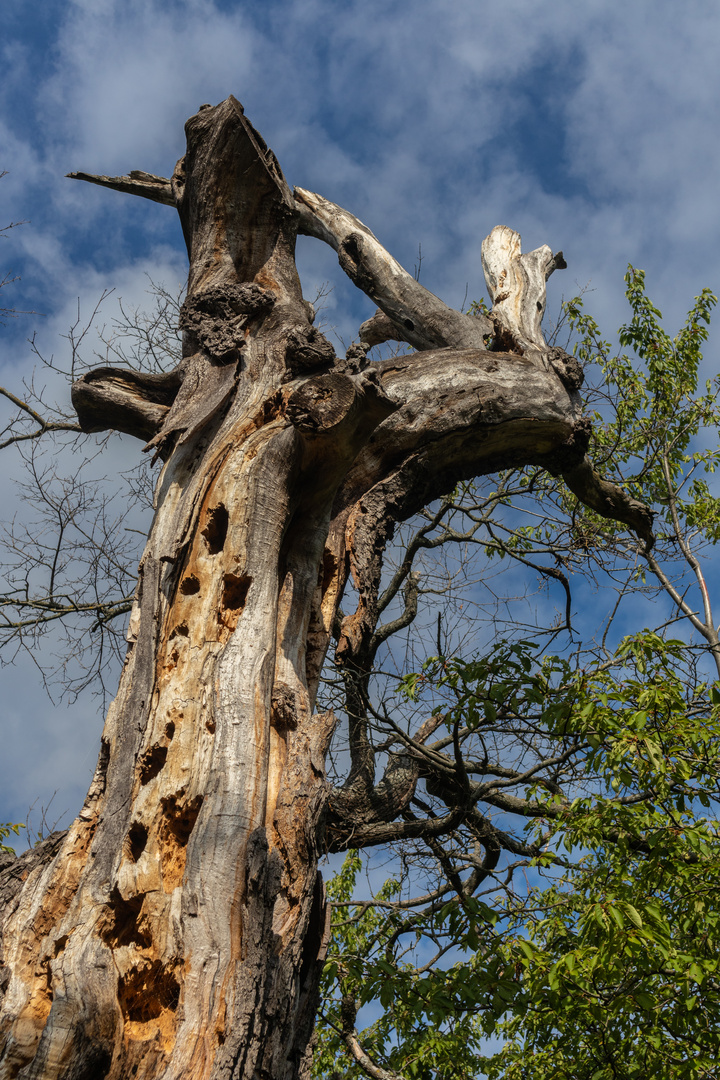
x,y
179,929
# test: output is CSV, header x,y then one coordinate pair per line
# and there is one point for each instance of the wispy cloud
x,y
590,127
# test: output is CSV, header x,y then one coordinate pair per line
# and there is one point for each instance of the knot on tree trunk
x,y
568,369
284,706
214,320
356,358
307,350
324,402
321,403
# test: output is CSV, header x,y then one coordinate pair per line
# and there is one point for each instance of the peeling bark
x,y
179,927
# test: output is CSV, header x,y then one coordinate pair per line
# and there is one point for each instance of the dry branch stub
x,y
321,403
179,928
516,284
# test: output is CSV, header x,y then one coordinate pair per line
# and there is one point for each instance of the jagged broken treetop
x,y
241,229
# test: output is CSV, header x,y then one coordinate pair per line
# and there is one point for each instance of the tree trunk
x,y
180,929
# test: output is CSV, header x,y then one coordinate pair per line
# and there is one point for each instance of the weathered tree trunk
x,y
180,929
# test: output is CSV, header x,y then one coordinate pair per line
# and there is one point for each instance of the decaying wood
x,y
609,501
133,402
422,319
147,185
16,874
516,284
180,929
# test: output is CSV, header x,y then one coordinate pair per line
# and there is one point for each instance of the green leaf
x,y
634,916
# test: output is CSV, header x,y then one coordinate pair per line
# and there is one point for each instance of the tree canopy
x,y
589,947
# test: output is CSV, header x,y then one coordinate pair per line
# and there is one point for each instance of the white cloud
x,y
428,120
127,76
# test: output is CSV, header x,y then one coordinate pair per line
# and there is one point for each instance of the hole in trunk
x,y
234,595
145,992
121,924
189,585
175,832
327,570
152,762
61,943
137,840
235,590
273,407
92,1062
180,819
215,531
48,979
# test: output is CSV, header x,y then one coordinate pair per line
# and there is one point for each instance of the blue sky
x,y
591,127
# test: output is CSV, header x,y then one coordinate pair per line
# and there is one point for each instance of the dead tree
x,y
179,930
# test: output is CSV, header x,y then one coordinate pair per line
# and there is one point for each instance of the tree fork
x,y
180,929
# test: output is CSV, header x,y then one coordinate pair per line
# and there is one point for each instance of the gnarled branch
x,y
421,317
120,399
146,185
609,500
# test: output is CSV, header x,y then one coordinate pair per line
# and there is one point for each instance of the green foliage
x,y
428,1025
655,433
605,966
661,430
5,831
612,970
617,962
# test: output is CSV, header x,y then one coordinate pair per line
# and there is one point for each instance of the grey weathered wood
x,y
422,318
516,284
380,328
180,930
133,402
609,500
146,185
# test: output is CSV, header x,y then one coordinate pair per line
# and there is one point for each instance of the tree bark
x,y
180,929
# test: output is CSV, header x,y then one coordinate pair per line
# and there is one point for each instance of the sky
x,y
588,126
